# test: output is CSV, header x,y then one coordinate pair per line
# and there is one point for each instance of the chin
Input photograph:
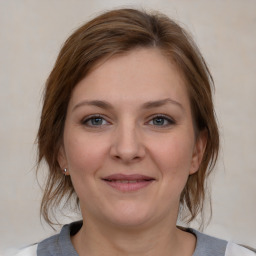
x,y
131,222
130,217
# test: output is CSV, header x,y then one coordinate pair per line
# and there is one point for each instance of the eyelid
x,y
88,118
164,116
169,119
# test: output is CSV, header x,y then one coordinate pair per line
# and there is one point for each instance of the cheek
x,y
174,156
84,154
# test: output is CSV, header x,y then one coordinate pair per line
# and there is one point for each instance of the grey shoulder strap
x,y
57,245
208,245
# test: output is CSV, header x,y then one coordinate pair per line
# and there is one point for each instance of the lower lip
x,y
129,187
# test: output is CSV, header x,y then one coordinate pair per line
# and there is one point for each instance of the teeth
x,y
126,181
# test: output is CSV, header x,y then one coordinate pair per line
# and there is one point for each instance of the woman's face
x,y
129,141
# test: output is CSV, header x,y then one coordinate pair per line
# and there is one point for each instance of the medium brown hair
x,y
117,32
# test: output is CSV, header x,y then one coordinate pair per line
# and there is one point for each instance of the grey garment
x,y
60,245
208,245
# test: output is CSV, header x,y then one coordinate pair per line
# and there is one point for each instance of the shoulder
x,y
56,245
28,251
237,250
209,245
48,247
60,244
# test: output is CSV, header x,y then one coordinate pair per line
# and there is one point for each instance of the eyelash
x,y
163,117
91,118
158,116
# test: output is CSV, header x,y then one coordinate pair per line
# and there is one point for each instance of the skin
x,y
130,135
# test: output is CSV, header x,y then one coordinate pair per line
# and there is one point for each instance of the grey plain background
x,y
31,34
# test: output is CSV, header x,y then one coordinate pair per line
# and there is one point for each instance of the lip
x,y
128,183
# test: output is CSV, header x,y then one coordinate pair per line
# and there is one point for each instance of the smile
x,y
125,181
128,183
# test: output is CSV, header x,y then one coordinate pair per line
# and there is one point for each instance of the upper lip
x,y
120,176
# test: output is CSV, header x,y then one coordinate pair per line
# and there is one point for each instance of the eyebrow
x,y
159,103
147,105
97,103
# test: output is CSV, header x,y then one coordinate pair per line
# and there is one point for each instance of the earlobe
x,y
199,150
62,160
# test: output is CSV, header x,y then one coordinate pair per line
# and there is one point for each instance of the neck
x,y
162,239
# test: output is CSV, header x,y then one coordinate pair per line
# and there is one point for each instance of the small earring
x,y
65,171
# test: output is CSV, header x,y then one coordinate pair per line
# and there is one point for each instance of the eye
x,y
95,121
161,120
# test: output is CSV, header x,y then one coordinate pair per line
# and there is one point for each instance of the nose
x,y
127,144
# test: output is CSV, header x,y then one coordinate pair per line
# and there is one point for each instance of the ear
x,y
199,148
62,160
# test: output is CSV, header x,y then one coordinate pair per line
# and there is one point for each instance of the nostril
x,y
127,148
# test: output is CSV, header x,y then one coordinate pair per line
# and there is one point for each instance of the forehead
x,y
142,74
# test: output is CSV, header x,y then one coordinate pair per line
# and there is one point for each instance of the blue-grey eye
x,y
161,121
94,121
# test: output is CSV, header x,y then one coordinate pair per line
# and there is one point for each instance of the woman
x,y
128,130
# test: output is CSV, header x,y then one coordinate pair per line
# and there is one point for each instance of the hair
x,y
111,33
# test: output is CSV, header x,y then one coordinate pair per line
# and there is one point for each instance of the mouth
x,y
128,183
